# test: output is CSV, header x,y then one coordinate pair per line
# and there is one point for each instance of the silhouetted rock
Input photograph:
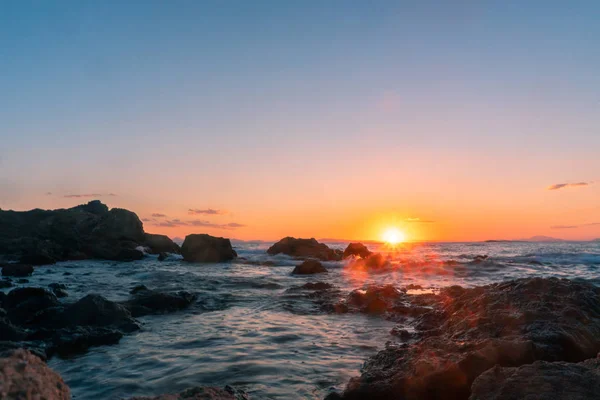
x,y
467,331
25,376
22,304
95,310
17,270
5,283
201,393
357,249
309,267
162,256
77,340
304,248
541,381
161,244
146,302
206,248
138,288
38,258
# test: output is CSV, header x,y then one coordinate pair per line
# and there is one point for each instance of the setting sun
x,y
393,236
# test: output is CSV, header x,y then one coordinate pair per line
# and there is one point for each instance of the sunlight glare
x,y
393,236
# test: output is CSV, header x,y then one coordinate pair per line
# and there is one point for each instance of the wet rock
x,y
304,248
161,244
162,256
317,286
376,262
10,332
471,330
60,293
23,303
201,393
124,254
5,283
39,258
403,334
309,267
138,288
206,248
57,285
17,270
95,310
541,381
357,249
146,302
25,376
77,340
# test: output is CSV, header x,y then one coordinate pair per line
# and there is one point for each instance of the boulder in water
x,y
304,248
207,249
357,249
309,267
145,301
18,270
95,310
159,244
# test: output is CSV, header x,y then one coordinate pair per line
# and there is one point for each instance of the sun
x,y
393,236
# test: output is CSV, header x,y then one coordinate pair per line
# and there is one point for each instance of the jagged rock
x,y
138,288
25,376
201,393
309,267
17,270
162,256
161,244
469,331
357,249
206,248
541,381
304,248
146,302
95,310
23,303
77,340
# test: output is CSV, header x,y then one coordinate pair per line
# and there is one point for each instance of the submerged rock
x,y
304,248
309,267
357,249
206,248
147,301
541,381
25,376
17,270
201,393
469,331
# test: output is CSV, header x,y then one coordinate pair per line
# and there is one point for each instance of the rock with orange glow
x,y
357,249
201,393
541,381
469,331
309,267
207,249
305,248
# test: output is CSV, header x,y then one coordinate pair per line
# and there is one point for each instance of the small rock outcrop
x,y
357,249
25,376
207,249
161,244
541,380
201,393
305,248
309,267
18,270
145,301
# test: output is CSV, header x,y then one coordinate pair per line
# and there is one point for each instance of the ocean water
x,y
248,331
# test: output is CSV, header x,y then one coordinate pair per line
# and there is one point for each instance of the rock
x,y
541,381
316,286
95,310
201,393
357,249
39,258
376,262
23,303
146,302
25,376
309,267
10,332
304,248
468,331
138,288
56,285
162,256
60,293
77,340
17,270
161,244
5,283
124,254
206,248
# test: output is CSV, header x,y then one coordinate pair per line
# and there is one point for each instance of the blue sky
x,y
115,96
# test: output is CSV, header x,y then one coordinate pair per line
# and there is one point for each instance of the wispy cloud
x,y
198,223
558,186
574,226
159,215
48,193
77,196
208,211
419,220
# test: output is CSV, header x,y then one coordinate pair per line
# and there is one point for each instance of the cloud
x,y
198,223
147,220
76,196
48,193
112,195
574,226
419,220
558,186
208,211
159,215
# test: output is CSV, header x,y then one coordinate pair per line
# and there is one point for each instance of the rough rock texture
x,y
357,249
161,244
87,231
201,393
206,248
145,301
541,381
304,248
17,270
24,376
467,331
95,310
309,267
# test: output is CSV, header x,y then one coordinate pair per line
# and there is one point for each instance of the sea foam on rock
x,y
305,248
357,249
207,249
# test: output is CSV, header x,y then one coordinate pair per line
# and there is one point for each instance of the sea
x,y
249,331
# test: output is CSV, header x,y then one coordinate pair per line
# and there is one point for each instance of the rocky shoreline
x,y
529,337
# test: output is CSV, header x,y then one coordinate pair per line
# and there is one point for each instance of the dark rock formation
x,y
5,283
87,231
162,256
17,270
468,331
95,310
201,393
357,249
541,381
161,244
304,248
206,248
22,304
145,301
25,376
309,267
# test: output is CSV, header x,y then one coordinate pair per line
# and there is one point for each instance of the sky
x,y
464,120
